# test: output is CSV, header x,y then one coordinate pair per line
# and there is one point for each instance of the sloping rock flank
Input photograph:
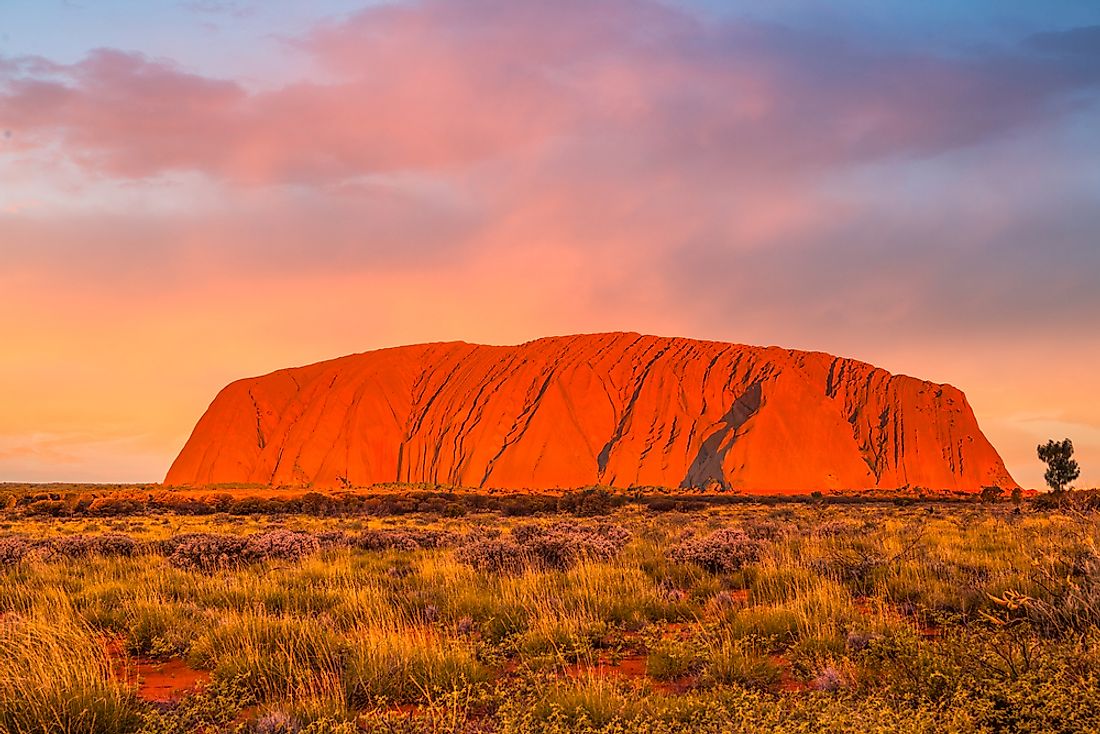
x,y
616,409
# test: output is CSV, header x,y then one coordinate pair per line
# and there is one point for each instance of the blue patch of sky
x,y
242,39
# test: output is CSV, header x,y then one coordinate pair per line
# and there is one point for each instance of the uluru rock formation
x,y
614,409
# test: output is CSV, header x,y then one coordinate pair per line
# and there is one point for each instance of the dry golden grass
x,y
854,618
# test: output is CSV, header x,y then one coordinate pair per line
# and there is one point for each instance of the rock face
x,y
616,409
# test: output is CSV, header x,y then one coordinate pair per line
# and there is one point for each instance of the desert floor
x,y
123,614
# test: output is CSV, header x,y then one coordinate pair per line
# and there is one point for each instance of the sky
x,y
196,191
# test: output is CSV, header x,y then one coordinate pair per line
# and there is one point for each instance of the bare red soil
x,y
158,681
164,682
628,667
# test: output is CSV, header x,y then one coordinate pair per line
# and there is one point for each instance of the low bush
x,y
277,722
561,545
211,552
48,508
492,555
590,502
111,506
333,539
557,547
14,549
836,529
281,545
406,539
205,551
81,546
723,551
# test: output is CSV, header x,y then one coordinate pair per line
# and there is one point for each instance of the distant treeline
x,y
91,501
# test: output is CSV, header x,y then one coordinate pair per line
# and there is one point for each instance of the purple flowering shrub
x,y
405,539
205,551
14,549
723,551
281,545
559,546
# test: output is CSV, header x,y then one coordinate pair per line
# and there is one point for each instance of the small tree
x,y
991,494
1061,467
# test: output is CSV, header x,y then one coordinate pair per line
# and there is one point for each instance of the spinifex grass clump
x,y
404,665
672,658
55,677
279,657
723,551
733,660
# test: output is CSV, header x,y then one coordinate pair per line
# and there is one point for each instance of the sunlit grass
x,y
56,677
898,605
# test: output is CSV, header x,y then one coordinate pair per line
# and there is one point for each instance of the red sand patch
x,y
787,682
164,682
155,681
633,666
737,596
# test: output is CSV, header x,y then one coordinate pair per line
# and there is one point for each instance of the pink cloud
x,y
436,85
120,114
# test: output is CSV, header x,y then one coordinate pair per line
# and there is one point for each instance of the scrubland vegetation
x,y
595,616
